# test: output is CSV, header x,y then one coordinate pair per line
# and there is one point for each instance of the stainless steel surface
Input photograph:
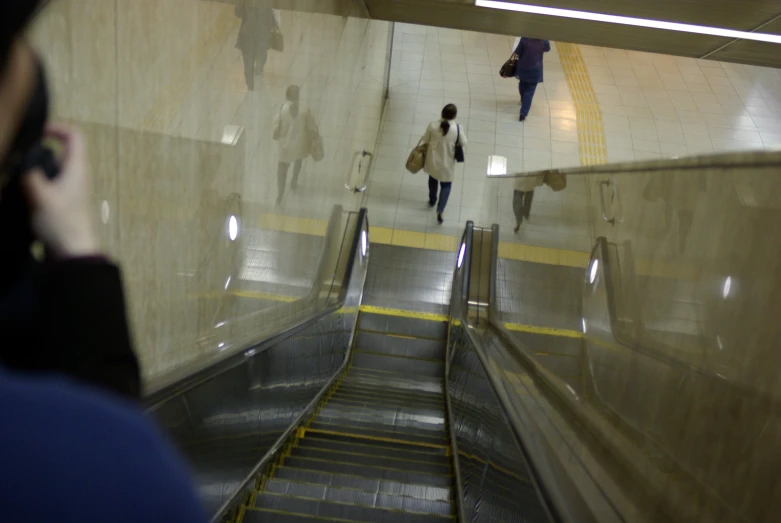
x,y
602,185
539,294
376,448
229,419
693,164
462,14
411,279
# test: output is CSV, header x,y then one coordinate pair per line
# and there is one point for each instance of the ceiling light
x,y
726,287
461,253
364,242
628,20
592,276
233,228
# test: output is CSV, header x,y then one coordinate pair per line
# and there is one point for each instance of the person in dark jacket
x,y
528,70
254,40
69,380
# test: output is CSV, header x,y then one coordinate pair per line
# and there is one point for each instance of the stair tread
x,y
402,461
354,469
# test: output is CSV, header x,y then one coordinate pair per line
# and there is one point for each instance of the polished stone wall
x,y
179,144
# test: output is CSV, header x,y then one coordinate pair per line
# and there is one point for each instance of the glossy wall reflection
x,y
181,142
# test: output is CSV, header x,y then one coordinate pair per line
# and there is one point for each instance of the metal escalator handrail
x,y
174,383
249,480
464,247
543,475
741,160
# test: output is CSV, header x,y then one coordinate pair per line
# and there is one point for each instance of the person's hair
x,y
449,112
292,95
14,17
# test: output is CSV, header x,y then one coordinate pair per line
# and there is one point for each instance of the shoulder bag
x,y
459,148
508,69
417,158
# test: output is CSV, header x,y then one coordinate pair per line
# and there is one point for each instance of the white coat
x,y
294,133
527,183
441,155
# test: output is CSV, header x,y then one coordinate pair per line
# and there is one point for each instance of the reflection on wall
x,y
694,374
178,140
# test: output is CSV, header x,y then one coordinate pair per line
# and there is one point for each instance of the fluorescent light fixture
x,y
726,287
592,276
364,242
461,253
628,20
583,321
233,228
227,283
497,165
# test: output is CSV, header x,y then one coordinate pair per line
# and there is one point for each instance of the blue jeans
x,y
527,94
444,194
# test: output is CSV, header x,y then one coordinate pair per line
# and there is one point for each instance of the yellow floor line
x,y
591,131
404,314
307,430
425,240
550,331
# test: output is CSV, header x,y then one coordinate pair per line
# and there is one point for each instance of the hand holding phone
x,y
60,201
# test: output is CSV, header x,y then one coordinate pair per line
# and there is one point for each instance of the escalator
x,y
364,413
377,448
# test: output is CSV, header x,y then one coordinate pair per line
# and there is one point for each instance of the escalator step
x,y
253,515
402,461
384,418
376,449
385,401
348,512
414,327
356,428
371,485
394,382
357,497
354,469
406,366
396,346
369,392
352,439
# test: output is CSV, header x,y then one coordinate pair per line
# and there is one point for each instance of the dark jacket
x,y
77,327
257,23
63,418
529,66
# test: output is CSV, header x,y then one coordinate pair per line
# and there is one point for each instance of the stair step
x,y
400,346
254,515
354,469
359,391
386,418
394,382
364,484
390,450
355,428
401,462
392,364
387,324
343,511
357,497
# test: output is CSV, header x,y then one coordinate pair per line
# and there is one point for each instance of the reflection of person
x,y
523,194
254,40
528,70
67,361
441,137
292,128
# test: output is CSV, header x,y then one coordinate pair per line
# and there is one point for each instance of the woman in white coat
x,y
522,197
291,131
441,137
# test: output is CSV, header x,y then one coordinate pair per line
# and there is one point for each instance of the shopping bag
x,y
556,181
277,40
417,158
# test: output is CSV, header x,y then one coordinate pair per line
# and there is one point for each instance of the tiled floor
x,y
652,106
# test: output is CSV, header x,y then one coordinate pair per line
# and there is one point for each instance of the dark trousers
x,y
527,91
254,62
282,169
444,193
522,205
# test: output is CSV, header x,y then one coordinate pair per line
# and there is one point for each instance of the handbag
x,y
417,158
508,69
277,40
316,148
459,148
557,182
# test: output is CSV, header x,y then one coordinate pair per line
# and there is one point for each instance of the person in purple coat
x,y
528,70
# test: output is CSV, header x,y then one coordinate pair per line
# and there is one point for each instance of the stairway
x,y
377,448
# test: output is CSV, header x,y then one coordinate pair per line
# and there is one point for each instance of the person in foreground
x,y
442,137
528,70
75,444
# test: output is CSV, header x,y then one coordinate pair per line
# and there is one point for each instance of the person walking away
x,y
254,40
442,136
291,131
523,194
528,70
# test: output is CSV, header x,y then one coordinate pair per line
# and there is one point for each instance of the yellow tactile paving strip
x,y
591,132
423,240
